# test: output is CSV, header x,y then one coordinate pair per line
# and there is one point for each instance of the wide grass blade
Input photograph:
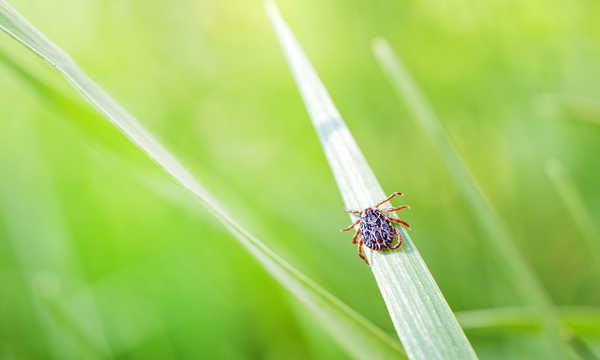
x,y
581,321
574,203
522,276
355,334
424,322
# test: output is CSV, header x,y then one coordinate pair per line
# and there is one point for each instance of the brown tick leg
x,y
389,198
352,211
395,209
355,236
360,244
351,226
399,234
398,221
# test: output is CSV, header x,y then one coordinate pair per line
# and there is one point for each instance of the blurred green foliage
x,y
93,261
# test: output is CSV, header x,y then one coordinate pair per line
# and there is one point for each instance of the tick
x,y
376,229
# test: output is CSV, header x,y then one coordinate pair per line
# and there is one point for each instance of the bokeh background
x,y
96,258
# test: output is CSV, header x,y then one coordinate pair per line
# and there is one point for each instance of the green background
x,y
95,259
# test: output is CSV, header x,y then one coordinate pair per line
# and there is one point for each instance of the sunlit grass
x,y
424,322
147,272
356,334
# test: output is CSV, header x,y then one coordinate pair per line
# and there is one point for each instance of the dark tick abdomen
x,y
376,230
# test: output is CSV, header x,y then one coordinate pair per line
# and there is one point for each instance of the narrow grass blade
x,y
359,336
581,321
424,322
354,333
573,201
522,276
88,121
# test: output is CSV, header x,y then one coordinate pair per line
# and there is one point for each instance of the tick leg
x,y
352,211
351,226
399,234
395,209
360,244
398,221
389,198
355,236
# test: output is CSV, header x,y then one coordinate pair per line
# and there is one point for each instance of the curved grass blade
x,y
573,201
582,321
355,334
423,320
522,276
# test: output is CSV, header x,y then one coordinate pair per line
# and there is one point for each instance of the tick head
x,y
368,213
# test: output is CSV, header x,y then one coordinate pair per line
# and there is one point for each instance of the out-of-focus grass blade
x,y
572,199
522,276
582,109
88,121
577,108
582,321
351,329
50,267
424,322
357,335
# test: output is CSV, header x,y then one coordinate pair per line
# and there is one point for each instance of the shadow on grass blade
x,y
425,324
522,276
355,334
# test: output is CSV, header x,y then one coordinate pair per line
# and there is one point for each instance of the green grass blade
x,y
573,201
357,335
360,337
522,276
423,320
582,321
86,120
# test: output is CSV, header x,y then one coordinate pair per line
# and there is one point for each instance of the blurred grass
x,y
581,321
575,206
208,81
524,280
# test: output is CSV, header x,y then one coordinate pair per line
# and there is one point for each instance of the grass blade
x,y
357,335
423,320
354,333
573,201
522,276
582,321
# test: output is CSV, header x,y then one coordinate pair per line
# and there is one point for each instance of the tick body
x,y
376,229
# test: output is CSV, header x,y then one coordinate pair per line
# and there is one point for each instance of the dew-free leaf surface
x,y
421,316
